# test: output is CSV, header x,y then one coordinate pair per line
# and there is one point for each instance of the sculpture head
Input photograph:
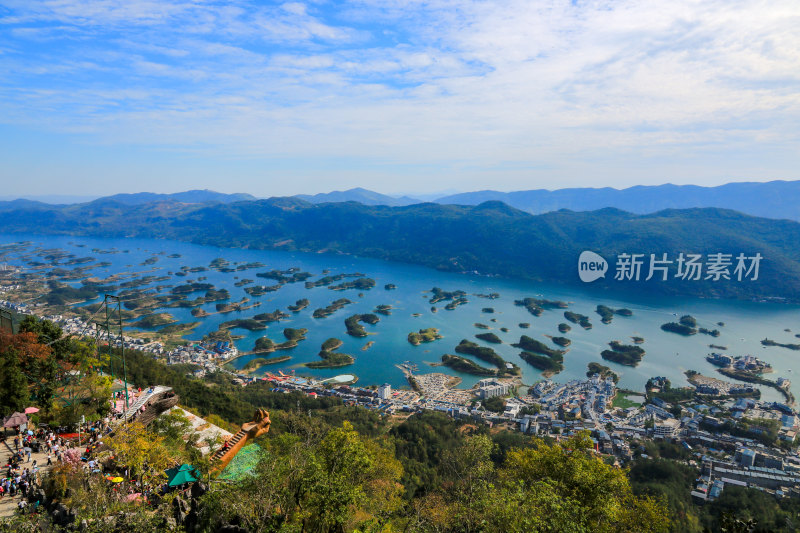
x,y
261,423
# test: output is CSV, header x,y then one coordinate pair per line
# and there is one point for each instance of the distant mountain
x,y
774,199
59,199
491,238
362,196
188,197
23,203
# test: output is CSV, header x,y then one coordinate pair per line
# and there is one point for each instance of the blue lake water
x,y
668,354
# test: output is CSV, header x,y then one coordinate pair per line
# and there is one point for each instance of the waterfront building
x,y
385,391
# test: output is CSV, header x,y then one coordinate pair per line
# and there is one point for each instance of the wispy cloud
x,y
565,87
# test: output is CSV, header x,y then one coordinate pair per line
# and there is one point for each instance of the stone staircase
x,y
250,430
242,434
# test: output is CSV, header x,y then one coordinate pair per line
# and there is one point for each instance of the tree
x,y
495,404
562,487
338,481
142,451
15,394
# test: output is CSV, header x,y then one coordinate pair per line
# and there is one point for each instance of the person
x,y
22,505
49,459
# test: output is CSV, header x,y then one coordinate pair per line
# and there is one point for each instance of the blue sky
x,y
105,96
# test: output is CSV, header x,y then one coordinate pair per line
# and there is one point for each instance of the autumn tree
x,y
143,452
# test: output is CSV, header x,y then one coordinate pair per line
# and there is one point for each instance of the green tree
x,y
562,487
15,393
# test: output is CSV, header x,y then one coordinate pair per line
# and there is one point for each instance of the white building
x,y
385,391
666,428
489,388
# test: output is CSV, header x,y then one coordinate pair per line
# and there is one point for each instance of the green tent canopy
x,y
182,474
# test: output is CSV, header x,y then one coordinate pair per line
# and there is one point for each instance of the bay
x,y
668,354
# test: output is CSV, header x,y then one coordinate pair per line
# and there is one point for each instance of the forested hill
x,y
491,238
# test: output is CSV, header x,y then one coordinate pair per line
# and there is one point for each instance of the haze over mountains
x,y
189,197
774,199
360,195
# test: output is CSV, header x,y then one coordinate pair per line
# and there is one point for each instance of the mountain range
x,y
774,199
491,238
188,197
362,196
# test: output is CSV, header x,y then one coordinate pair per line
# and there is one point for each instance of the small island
x,y
383,309
532,345
244,323
224,308
577,318
332,308
154,321
424,335
390,286
261,290
770,342
291,275
605,372
680,329
363,284
607,314
481,352
327,280
564,328
536,306
562,341
355,329
623,354
549,365
330,358
258,362
438,295
490,296
462,364
295,335
298,306
275,316
489,337
524,325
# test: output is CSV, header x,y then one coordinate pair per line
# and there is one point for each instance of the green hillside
x,y
491,238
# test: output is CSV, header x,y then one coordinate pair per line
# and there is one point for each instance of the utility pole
x,y
109,311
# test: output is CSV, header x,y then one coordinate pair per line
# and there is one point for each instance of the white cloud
x,y
481,85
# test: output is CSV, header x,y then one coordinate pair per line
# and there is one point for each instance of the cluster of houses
x,y
206,354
